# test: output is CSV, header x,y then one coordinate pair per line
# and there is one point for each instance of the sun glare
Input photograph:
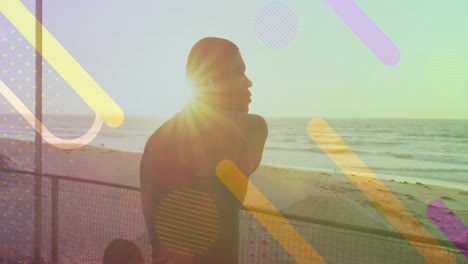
x,y
179,100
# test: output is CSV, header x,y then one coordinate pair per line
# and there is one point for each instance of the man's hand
x,y
253,131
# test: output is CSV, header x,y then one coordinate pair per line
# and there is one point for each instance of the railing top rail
x,y
253,209
350,227
68,178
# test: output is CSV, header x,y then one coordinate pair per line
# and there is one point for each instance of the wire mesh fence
x,y
91,214
16,216
336,243
104,213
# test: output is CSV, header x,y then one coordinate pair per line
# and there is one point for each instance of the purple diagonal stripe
x,y
366,30
449,224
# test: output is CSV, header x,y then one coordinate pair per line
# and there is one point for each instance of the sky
x,y
137,54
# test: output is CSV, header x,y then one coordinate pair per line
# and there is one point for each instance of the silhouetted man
x,y
177,172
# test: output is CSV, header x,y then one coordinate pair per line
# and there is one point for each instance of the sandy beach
x,y
326,195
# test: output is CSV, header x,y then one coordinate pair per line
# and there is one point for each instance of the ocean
x,y
414,150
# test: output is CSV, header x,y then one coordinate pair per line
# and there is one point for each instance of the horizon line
x,y
265,116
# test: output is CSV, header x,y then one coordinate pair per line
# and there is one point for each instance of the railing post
x,y
38,139
55,219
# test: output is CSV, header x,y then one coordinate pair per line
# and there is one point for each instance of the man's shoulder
x,y
258,121
252,122
245,118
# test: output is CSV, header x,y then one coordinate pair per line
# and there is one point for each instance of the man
x,y
181,156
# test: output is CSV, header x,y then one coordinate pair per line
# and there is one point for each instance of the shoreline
x,y
457,185
434,179
335,198
462,186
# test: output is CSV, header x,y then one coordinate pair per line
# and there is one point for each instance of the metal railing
x,y
81,216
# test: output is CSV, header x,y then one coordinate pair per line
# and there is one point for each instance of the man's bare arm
x,y
147,186
253,130
256,134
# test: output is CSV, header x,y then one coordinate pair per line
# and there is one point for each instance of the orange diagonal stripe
x,y
281,230
372,187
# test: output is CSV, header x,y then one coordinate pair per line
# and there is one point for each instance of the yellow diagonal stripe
x,y
281,230
372,187
65,65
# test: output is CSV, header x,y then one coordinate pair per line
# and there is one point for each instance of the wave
x,y
291,140
357,142
381,131
402,155
442,159
310,150
398,155
422,170
444,175
350,140
385,154
436,135
428,157
385,131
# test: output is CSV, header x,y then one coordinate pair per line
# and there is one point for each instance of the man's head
x,y
216,71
